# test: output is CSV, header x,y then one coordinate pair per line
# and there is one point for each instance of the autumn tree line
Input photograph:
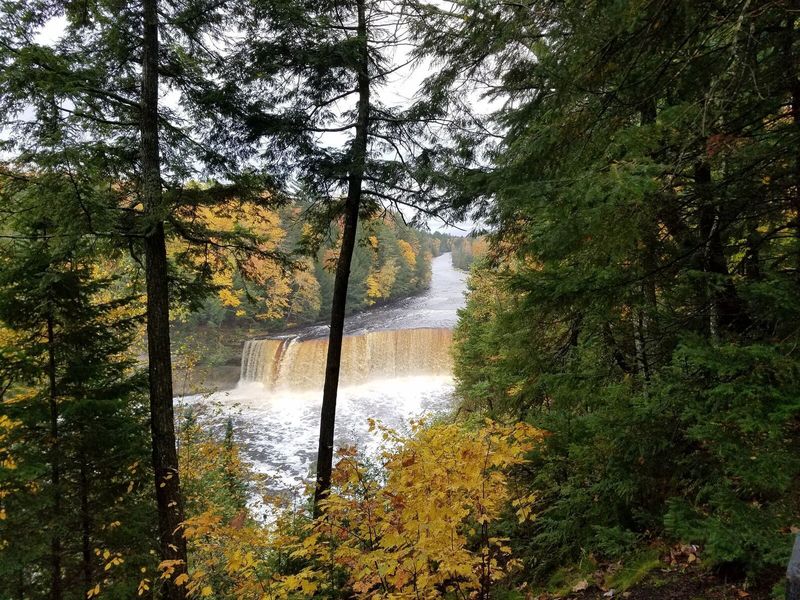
x,y
467,250
626,364
391,260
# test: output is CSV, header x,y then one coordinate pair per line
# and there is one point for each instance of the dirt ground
x,y
688,584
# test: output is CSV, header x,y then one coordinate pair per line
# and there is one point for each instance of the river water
x,y
396,366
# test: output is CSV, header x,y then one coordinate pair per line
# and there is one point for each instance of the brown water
x,y
292,364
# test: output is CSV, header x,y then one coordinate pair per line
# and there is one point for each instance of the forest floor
x,y
677,574
676,586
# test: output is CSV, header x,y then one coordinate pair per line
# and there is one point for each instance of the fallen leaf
x,y
580,586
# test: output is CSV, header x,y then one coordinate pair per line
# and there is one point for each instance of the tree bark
x,y
56,591
793,87
352,205
162,423
86,517
726,310
643,327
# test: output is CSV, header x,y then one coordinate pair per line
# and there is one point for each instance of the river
x,y
396,366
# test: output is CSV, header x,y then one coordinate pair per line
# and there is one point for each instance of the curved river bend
x,y
396,366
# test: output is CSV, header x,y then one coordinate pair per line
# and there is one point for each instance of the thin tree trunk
x,y
56,592
165,455
86,517
793,85
352,204
643,334
726,310
639,341
616,353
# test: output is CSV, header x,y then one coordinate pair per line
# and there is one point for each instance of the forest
x,y
618,182
392,261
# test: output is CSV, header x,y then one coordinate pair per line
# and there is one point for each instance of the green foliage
x,y
706,451
641,297
80,471
634,570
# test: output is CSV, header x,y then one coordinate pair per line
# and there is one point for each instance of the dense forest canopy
x,y
627,383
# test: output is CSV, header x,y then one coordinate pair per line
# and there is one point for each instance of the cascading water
x,y
291,364
396,365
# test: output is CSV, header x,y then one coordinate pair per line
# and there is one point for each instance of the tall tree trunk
x,y
726,310
643,327
56,592
793,87
86,517
165,455
352,204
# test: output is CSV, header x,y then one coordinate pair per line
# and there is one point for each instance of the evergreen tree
x,y
642,279
94,96
79,401
336,56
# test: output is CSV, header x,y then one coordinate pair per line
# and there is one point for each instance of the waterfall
x,y
283,364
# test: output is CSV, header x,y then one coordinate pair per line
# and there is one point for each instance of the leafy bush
x,y
422,523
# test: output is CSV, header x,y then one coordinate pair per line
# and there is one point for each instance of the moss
x,y
635,569
566,578
778,591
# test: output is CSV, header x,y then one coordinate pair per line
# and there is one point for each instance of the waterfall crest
x,y
292,364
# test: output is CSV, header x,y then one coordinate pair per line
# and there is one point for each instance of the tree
x,y
77,401
306,61
640,204
94,94
162,419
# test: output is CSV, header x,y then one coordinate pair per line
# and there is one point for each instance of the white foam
x,y
278,431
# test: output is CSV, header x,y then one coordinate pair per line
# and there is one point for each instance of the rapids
x,y
396,366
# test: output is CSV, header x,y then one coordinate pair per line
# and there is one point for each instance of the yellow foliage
x,y
373,287
422,528
412,537
144,586
306,298
224,261
7,425
229,298
380,282
407,252
7,461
